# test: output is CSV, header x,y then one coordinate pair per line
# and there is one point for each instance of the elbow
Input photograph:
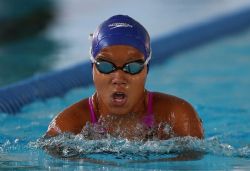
x,y
51,133
197,131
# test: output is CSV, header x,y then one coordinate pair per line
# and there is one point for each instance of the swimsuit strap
x,y
91,108
149,118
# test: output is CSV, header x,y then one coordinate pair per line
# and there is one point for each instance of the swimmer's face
x,y
119,92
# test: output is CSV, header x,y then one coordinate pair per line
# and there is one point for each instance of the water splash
x,y
9,144
68,145
94,141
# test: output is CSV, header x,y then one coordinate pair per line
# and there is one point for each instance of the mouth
x,y
119,98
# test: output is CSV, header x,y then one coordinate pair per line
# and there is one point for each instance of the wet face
x,y
119,92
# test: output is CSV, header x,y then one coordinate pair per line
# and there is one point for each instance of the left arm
x,y
186,120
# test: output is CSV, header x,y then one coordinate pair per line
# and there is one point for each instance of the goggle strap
x,y
91,56
149,57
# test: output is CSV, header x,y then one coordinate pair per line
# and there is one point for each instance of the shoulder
x,y
167,102
179,113
72,119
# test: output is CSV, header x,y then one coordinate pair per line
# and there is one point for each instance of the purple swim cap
x,y
121,30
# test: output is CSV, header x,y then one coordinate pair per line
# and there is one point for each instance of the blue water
x,y
214,78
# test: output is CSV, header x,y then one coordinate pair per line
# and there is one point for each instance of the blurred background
x,y
38,36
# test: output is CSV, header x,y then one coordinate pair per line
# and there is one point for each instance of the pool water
x,y
214,78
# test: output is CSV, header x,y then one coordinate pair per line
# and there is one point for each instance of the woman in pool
x,y
120,55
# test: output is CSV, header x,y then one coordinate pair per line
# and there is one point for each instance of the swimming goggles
x,y
107,67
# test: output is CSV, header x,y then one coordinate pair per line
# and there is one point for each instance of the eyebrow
x,y
136,60
103,56
106,58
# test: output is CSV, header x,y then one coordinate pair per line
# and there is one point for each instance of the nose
x,y
119,78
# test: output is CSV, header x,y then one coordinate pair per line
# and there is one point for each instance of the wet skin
x,y
121,102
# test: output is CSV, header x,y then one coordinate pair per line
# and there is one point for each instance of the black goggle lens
x,y
106,67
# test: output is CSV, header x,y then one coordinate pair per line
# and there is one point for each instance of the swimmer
x,y
120,55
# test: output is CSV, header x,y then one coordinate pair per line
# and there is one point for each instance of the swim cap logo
x,y
118,25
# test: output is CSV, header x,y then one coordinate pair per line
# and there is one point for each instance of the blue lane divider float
x,y
41,87
14,97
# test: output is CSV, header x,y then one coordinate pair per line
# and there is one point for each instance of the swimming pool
x,y
213,77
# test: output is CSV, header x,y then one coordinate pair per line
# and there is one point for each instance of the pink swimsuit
x,y
148,119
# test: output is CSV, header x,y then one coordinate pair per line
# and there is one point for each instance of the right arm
x,y
71,120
